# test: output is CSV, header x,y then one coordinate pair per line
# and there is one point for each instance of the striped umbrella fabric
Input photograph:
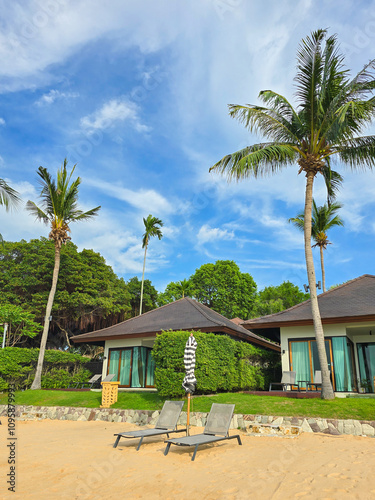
x,y
190,381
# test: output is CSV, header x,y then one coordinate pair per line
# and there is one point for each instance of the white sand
x,y
76,460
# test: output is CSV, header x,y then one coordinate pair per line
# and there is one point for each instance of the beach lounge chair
x,y
317,381
216,429
288,379
166,424
92,382
108,378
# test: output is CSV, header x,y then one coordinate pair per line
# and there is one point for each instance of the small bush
x,y
222,364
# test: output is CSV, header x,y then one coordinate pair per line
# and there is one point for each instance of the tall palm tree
x,y
152,228
331,110
59,208
323,218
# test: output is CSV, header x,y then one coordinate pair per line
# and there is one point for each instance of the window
x,y
133,366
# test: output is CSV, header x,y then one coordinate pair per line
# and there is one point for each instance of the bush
x,y
60,369
222,364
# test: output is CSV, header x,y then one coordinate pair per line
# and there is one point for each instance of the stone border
x,y
247,423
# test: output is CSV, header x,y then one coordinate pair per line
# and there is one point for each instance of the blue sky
x,y
136,94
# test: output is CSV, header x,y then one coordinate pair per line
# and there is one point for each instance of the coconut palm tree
x,y
59,208
323,218
332,109
152,228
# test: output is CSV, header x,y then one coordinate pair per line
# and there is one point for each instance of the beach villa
x,y
348,317
128,345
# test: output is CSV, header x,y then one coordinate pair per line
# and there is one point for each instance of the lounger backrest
x,y
109,377
94,378
169,415
288,378
318,377
219,419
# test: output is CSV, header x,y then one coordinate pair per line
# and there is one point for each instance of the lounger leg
x,y
116,442
140,442
167,449
195,452
239,440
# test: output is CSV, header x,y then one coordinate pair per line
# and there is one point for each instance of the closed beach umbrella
x,y
190,381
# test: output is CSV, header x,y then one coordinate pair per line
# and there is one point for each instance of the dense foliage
x,y
224,288
273,299
150,295
222,364
89,295
61,369
21,325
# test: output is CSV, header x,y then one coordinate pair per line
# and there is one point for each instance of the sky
x,y
135,93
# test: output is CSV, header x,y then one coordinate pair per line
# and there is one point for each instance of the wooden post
x,y
188,416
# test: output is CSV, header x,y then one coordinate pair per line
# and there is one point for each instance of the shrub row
x,y
222,364
60,369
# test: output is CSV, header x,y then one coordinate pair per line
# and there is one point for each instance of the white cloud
x,y
146,200
113,112
54,95
2,121
211,234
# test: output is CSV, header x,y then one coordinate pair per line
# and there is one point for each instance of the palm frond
x,y
257,160
37,212
358,152
8,196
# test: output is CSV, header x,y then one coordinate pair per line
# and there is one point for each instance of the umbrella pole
x,y
188,416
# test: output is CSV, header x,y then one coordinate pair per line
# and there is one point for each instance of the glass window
x,y
343,362
133,366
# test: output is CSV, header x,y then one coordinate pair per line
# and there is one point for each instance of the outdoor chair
x,y
288,379
95,380
216,429
317,381
166,424
108,378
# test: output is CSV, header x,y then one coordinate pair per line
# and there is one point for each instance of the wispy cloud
x,y
112,113
2,121
54,95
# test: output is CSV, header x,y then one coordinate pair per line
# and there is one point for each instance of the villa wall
x,y
253,424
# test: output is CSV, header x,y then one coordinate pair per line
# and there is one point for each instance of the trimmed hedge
x,y
222,364
60,369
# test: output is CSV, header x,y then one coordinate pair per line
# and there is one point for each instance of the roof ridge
x,y
198,306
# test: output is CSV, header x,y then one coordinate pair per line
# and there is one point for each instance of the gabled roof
x,y
351,302
183,314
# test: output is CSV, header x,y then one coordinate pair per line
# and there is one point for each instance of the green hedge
x,y
222,364
60,369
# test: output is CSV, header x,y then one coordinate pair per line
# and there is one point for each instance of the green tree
x,y
21,324
332,110
89,295
175,290
222,287
273,299
323,219
59,208
150,295
152,228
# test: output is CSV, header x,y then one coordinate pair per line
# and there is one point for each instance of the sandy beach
x,y
76,460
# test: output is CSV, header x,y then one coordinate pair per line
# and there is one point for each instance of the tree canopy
x,y
150,295
273,299
89,295
224,288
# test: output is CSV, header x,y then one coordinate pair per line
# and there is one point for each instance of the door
x,y
366,361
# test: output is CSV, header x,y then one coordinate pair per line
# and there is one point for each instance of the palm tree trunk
x,y
323,270
37,383
143,279
327,391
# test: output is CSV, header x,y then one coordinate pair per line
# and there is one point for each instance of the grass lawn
x,y
342,408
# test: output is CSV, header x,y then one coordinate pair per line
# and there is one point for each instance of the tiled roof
x,y
354,299
183,314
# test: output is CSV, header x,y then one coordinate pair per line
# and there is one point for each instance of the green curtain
x,y
366,360
114,358
301,360
150,369
342,358
126,356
